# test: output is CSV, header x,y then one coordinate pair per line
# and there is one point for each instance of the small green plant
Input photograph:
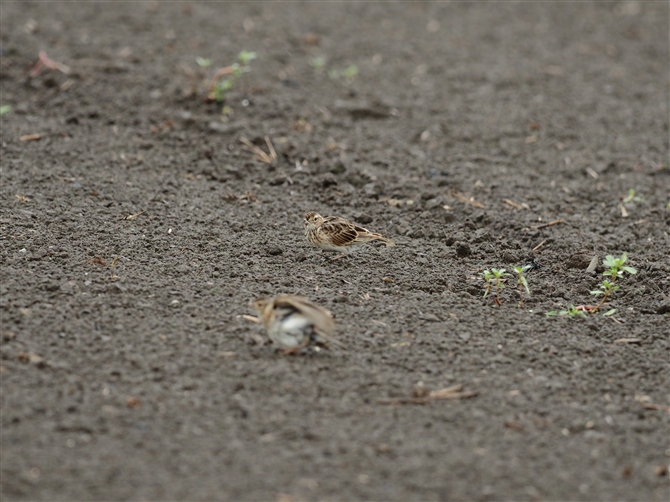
x,y
246,57
495,281
318,63
522,282
632,197
571,311
349,73
218,86
5,109
616,268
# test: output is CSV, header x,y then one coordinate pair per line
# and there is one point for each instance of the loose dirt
x,y
137,227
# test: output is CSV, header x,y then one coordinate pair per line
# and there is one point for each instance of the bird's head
x,y
313,219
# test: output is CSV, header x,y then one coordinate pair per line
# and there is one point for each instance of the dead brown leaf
x,y
98,260
654,406
29,357
132,402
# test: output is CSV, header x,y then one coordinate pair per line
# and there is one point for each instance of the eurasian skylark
x,y
333,233
293,322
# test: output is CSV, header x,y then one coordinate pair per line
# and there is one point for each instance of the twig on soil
x,y
653,406
133,216
463,198
260,154
45,61
514,204
30,137
550,224
423,396
540,245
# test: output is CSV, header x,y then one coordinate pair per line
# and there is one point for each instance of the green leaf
x,y
597,292
246,56
525,284
610,312
203,63
5,109
630,270
552,313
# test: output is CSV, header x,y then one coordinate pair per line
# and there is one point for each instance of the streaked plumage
x,y
333,233
293,322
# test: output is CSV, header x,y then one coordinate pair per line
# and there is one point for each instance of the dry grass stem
x,y
260,154
463,198
550,224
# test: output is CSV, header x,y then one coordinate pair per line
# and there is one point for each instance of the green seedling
x,y
224,79
495,279
616,269
522,282
632,197
218,88
246,57
5,109
349,73
571,311
318,63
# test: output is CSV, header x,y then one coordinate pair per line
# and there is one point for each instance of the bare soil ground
x,y
138,227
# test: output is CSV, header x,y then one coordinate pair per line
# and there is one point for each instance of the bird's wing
x,y
322,319
340,231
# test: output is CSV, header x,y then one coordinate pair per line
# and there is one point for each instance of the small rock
x,y
433,203
274,250
465,336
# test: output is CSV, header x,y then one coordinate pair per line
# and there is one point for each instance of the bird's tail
x,y
324,338
389,243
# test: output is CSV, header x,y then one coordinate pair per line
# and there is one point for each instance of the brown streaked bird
x,y
293,322
333,233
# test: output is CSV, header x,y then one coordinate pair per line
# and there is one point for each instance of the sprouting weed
x,y
631,197
318,63
571,311
522,282
246,57
349,73
615,270
495,279
223,79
